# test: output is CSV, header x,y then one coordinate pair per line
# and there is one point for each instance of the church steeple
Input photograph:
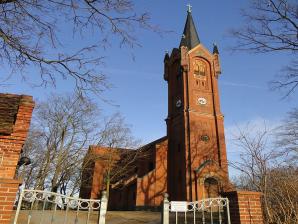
x,y
190,37
195,128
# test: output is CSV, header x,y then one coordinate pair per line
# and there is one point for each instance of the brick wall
x,y
152,186
245,207
10,148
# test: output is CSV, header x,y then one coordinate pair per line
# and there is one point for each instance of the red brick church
x,y
190,162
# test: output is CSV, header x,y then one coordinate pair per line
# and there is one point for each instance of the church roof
x,y
190,37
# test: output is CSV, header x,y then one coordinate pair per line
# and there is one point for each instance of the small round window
x,y
205,138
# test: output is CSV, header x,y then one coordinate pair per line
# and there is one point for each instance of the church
x,y
190,162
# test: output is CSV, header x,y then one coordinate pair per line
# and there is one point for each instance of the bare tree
x,y
272,26
32,149
31,35
118,154
281,197
263,165
255,156
283,194
287,137
65,126
115,133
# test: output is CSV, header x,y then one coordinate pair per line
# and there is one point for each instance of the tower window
x,y
203,84
205,138
199,68
197,82
179,147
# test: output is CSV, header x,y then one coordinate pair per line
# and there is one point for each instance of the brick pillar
x,y
15,117
245,207
8,190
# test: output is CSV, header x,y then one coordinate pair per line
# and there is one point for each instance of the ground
x,y
138,217
113,217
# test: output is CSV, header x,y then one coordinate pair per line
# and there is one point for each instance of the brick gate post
x,y
15,117
245,207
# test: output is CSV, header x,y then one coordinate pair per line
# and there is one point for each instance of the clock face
x,y
202,101
178,103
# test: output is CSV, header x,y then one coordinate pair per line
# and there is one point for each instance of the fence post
x,y
103,208
165,209
19,206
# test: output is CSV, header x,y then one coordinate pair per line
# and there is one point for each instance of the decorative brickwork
x,y
245,207
15,117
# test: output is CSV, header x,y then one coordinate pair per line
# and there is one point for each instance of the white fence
x,y
207,211
43,207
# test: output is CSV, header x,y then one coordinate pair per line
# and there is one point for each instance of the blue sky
x,y
138,86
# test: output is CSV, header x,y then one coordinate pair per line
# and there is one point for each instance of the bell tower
x,y
197,163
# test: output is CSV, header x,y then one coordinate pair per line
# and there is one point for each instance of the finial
x,y
189,8
104,193
166,196
167,57
215,49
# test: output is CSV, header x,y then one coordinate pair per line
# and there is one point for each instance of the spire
x,y
190,37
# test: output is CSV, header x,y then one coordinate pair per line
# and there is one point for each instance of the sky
x,y
136,75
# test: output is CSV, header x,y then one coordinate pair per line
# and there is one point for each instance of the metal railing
x,y
44,207
207,211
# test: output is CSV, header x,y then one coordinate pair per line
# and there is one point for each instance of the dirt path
x,y
137,217
113,217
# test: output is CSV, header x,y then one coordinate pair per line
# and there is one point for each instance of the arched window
x,y
211,187
200,69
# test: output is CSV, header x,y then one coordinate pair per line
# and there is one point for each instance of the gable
x,y
201,51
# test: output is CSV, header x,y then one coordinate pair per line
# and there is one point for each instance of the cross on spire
x,y
189,7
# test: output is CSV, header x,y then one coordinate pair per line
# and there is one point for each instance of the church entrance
x,y
211,187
